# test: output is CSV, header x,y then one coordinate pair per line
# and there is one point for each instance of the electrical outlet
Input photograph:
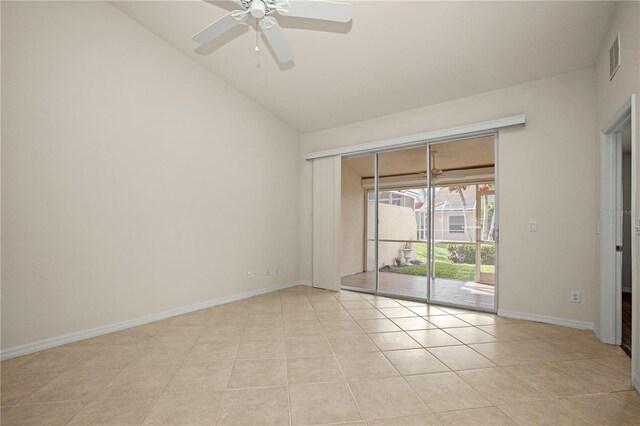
x,y
533,226
268,272
248,275
575,296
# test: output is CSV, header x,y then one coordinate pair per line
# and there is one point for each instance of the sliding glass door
x,y
402,219
358,258
463,224
426,218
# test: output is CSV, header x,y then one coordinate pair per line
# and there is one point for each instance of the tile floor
x,y
307,356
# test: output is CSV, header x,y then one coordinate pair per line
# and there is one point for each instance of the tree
x,y
488,212
460,190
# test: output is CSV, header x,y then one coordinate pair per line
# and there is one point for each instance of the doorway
x,y
618,228
626,235
423,227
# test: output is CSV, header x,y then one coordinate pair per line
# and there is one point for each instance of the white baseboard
x,y
105,329
583,325
596,330
635,382
306,282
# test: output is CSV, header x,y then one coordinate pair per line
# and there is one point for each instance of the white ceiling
x,y
394,55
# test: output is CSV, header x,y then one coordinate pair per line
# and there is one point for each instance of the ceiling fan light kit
x,y
264,11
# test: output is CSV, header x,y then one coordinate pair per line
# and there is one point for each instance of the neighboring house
x,y
449,222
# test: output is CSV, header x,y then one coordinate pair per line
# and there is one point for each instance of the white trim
x,y
468,130
634,274
619,120
496,225
565,322
306,282
105,329
610,295
609,146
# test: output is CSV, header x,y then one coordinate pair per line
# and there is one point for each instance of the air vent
x,y
614,57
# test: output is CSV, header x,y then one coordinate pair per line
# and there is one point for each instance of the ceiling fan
x,y
264,11
439,173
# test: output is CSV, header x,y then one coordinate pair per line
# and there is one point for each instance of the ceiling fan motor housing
x,y
258,9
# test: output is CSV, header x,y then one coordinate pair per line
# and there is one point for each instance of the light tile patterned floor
x,y
308,356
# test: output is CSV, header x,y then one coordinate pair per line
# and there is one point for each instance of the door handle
x,y
619,249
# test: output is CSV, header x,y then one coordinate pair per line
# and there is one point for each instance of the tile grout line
x,y
335,358
400,375
93,350
157,397
233,365
286,364
124,366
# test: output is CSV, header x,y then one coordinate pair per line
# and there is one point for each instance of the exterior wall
x,y
352,259
441,226
396,223
538,270
122,165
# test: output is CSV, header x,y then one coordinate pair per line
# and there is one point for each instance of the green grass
x,y
444,268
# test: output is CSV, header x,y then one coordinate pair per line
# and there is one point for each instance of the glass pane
x,y
357,261
403,222
487,217
463,251
487,222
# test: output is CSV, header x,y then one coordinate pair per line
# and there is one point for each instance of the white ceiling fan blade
x,y
316,9
219,27
275,38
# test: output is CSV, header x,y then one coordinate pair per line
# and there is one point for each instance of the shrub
x,y
488,254
466,253
462,253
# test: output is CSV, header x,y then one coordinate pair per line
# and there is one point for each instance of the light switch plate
x,y
533,226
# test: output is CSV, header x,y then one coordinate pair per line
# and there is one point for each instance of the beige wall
x,y
352,259
395,223
612,94
552,158
133,181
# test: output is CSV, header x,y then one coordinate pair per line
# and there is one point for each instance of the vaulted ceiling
x,y
394,55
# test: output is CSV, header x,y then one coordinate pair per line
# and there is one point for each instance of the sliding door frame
x,y
428,144
496,285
